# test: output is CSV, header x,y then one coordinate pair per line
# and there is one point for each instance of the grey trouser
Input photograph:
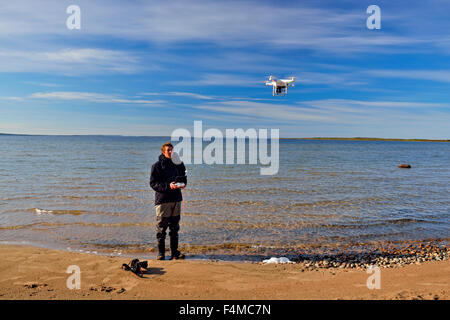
x,y
168,215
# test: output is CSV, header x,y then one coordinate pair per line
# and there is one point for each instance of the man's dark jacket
x,y
164,171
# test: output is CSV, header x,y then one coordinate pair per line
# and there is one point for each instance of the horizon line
x,y
291,138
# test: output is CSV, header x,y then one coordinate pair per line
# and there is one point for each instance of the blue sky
x,y
148,67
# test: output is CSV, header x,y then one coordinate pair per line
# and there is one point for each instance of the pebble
x,y
389,257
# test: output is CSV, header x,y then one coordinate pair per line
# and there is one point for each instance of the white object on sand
x,y
277,260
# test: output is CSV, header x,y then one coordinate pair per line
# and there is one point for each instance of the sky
x,y
145,68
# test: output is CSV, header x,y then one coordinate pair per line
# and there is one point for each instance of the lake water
x,y
91,193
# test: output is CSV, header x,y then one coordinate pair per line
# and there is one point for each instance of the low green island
x,y
313,138
368,139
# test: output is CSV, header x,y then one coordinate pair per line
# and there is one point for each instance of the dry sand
x,y
36,273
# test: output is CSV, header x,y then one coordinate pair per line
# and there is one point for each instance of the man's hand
x,y
174,186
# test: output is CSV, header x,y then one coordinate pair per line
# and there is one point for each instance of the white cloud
x,y
13,98
35,38
267,111
334,111
183,94
431,75
191,95
42,84
331,79
90,97
358,104
87,55
69,61
216,79
315,26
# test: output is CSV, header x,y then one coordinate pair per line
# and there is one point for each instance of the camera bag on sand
x,y
135,266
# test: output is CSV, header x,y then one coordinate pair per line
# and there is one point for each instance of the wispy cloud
x,y
266,110
13,98
90,97
218,79
235,23
359,104
338,111
42,84
69,61
331,79
181,94
431,75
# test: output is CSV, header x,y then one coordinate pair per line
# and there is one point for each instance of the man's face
x,y
168,152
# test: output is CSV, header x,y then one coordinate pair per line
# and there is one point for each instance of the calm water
x,y
92,193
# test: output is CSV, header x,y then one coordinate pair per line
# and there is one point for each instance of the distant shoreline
x,y
311,138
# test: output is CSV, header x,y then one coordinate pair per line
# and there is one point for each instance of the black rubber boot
x,y
175,254
161,249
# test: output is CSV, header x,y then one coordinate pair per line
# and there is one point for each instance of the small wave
x,y
322,173
196,214
20,198
379,224
81,224
114,225
18,227
251,202
341,202
123,197
266,191
41,211
40,224
44,211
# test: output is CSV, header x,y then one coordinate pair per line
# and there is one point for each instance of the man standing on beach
x,y
165,180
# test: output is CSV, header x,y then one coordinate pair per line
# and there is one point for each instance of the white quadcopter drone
x,y
280,86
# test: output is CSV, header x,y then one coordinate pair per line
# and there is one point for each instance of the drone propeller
x,y
293,80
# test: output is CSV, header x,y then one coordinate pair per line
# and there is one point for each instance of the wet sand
x,y
36,273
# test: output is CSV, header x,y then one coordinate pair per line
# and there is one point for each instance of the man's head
x,y
166,150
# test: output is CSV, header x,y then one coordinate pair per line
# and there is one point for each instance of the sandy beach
x,y
37,273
